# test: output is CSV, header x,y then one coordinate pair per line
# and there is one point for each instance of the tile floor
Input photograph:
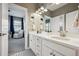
x,y
17,48
27,52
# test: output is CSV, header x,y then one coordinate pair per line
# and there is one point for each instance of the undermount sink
x,y
60,38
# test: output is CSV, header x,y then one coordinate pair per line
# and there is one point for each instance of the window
x,y
17,23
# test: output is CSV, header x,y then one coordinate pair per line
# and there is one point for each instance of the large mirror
x,y
54,24
47,23
71,22
65,22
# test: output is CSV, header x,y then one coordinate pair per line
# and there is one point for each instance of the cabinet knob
x,y
53,54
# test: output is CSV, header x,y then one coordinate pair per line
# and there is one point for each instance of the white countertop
x,y
71,42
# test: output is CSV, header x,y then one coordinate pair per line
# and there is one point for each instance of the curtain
x,y
11,26
22,26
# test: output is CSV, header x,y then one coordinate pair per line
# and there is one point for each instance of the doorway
x,y
16,38
16,35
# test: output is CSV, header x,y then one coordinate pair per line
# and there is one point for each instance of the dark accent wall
x,y
65,9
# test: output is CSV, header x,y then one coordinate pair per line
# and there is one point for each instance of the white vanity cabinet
x,y
48,51
35,44
47,47
59,50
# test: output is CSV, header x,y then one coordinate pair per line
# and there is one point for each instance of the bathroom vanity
x,y
44,44
53,45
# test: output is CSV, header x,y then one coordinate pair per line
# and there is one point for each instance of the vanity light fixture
x,y
41,10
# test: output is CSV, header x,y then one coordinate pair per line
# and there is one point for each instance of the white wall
x,y
15,11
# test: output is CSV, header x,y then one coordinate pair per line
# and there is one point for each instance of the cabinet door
x,y
46,51
32,43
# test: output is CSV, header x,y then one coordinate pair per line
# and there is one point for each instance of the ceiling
x,y
31,6
49,6
54,6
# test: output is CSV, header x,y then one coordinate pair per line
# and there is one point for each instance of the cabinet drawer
x,y
60,48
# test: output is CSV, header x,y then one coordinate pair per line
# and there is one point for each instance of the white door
x,y
32,42
4,30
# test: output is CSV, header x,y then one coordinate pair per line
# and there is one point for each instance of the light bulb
x,y
42,8
45,10
36,11
40,13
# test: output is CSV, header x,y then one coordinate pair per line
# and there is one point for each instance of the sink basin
x,y
60,38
